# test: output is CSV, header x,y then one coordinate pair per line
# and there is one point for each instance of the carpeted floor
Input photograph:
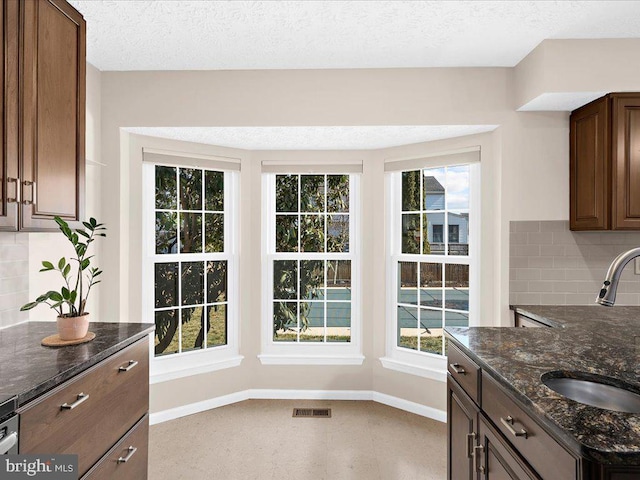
x,y
259,439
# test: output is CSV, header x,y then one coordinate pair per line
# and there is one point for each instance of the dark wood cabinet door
x,y
461,433
53,113
499,461
589,190
626,161
9,173
134,447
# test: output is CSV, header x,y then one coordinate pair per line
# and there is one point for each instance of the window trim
x,y
400,359
184,364
311,353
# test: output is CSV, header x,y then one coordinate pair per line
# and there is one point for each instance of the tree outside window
x,y
312,259
190,271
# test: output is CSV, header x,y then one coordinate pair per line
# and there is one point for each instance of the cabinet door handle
x,y
33,201
508,423
471,441
82,397
478,451
16,198
130,365
457,368
125,459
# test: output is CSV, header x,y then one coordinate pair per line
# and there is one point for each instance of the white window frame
x,y
401,359
178,365
309,353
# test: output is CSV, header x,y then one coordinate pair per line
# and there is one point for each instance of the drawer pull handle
x,y
478,451
132,363
457,368
82,397
126,458
508,423
471,440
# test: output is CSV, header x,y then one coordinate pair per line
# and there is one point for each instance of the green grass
x,y
216,336
291,337
427,344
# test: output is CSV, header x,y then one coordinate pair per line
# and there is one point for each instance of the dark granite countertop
x,y
28,369
597,340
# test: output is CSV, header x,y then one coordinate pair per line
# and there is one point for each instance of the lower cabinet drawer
x,y
550,460
464,371
87,415
127,460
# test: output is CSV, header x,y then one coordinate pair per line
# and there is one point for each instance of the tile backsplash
x,y
551,265
14,277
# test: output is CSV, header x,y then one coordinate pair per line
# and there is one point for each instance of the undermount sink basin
x,y
595,390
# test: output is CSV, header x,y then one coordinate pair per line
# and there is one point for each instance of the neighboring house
x,y
433,194
458,222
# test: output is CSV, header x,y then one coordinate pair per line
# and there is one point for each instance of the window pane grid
x,y
188,306
321,210
416,327
433,258
435,221
318,310
183,306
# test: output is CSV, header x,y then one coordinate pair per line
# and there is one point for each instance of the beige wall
x,y
524,177
274,98
396,97
51,246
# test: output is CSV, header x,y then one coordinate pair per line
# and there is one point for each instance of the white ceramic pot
x,y
73,328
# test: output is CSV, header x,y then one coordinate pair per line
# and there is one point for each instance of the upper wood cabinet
x,y
605,164
43,114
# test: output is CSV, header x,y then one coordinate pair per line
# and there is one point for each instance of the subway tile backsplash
x,y
551,265
14,277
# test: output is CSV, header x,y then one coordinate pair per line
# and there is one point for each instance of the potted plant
x,y
78,277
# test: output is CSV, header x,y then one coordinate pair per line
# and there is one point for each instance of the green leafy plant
x,y
78,274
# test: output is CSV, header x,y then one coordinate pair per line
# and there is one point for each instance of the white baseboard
x,y
413,407
190,409
273,394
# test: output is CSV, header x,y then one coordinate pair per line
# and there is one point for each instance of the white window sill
x,y
353,359
164,369
432,372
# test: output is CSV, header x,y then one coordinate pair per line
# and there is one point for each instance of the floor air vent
x,y
312,412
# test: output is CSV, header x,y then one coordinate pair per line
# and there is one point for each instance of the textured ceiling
x,y
221,35
312,138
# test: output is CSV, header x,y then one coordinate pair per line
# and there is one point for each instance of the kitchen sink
x,y
596,390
